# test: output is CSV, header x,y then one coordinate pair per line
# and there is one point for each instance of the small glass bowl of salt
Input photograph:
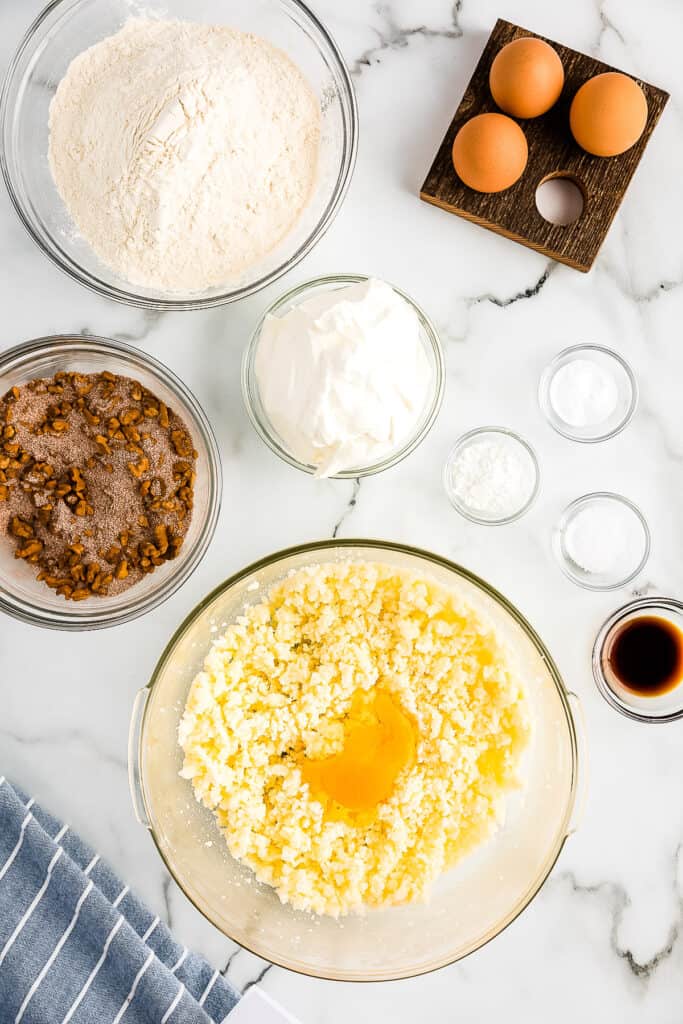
x,y
588,393
492,476
601,541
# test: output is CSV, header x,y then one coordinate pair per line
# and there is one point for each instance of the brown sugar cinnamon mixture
x,y
96,481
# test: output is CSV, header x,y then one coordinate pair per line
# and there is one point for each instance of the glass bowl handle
x,y
134,780
582,763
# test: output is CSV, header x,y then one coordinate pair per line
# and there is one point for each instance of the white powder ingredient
x,y
183,152
583,393
493,477
605,539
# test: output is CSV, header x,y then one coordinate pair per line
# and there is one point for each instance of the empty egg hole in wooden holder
x,y
560,198
553,154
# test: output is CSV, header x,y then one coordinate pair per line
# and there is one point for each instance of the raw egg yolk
x,y
379,742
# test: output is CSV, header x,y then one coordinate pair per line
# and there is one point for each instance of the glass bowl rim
x,y
249,378
462,509
561,523
93,282
549,372
565,830
606,691
24,355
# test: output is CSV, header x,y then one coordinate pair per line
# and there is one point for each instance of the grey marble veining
x,y
603,939
392,36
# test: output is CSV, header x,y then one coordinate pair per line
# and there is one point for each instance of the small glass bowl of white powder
x,y
588,393
492,476
601,541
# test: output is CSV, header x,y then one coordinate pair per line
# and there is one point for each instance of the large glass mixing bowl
x,y
67,27
469,904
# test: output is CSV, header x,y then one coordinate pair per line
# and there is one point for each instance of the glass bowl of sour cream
x,y
343,376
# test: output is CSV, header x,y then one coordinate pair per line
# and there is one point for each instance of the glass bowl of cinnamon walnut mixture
x,y
110,482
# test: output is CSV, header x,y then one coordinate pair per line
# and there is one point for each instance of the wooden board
x,y
552,153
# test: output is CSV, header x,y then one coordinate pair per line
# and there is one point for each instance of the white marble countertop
x,y
604,936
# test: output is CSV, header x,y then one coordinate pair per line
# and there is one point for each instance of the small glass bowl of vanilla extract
x,y
638,660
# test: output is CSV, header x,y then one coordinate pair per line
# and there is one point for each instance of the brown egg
x,y
526,77
490,152
608,114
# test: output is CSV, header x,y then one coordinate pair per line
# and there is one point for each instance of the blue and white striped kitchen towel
x,y
77,947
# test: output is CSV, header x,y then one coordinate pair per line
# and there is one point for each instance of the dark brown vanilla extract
x,y
646,656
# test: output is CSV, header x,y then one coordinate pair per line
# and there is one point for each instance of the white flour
x,y
184,152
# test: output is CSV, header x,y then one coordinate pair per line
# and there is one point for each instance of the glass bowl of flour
x,y
178,155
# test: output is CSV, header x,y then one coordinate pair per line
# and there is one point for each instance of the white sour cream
x,y
343,377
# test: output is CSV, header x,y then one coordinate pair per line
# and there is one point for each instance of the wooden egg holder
x,y
552,153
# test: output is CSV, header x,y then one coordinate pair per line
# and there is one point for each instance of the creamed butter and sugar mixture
x,y
355,734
